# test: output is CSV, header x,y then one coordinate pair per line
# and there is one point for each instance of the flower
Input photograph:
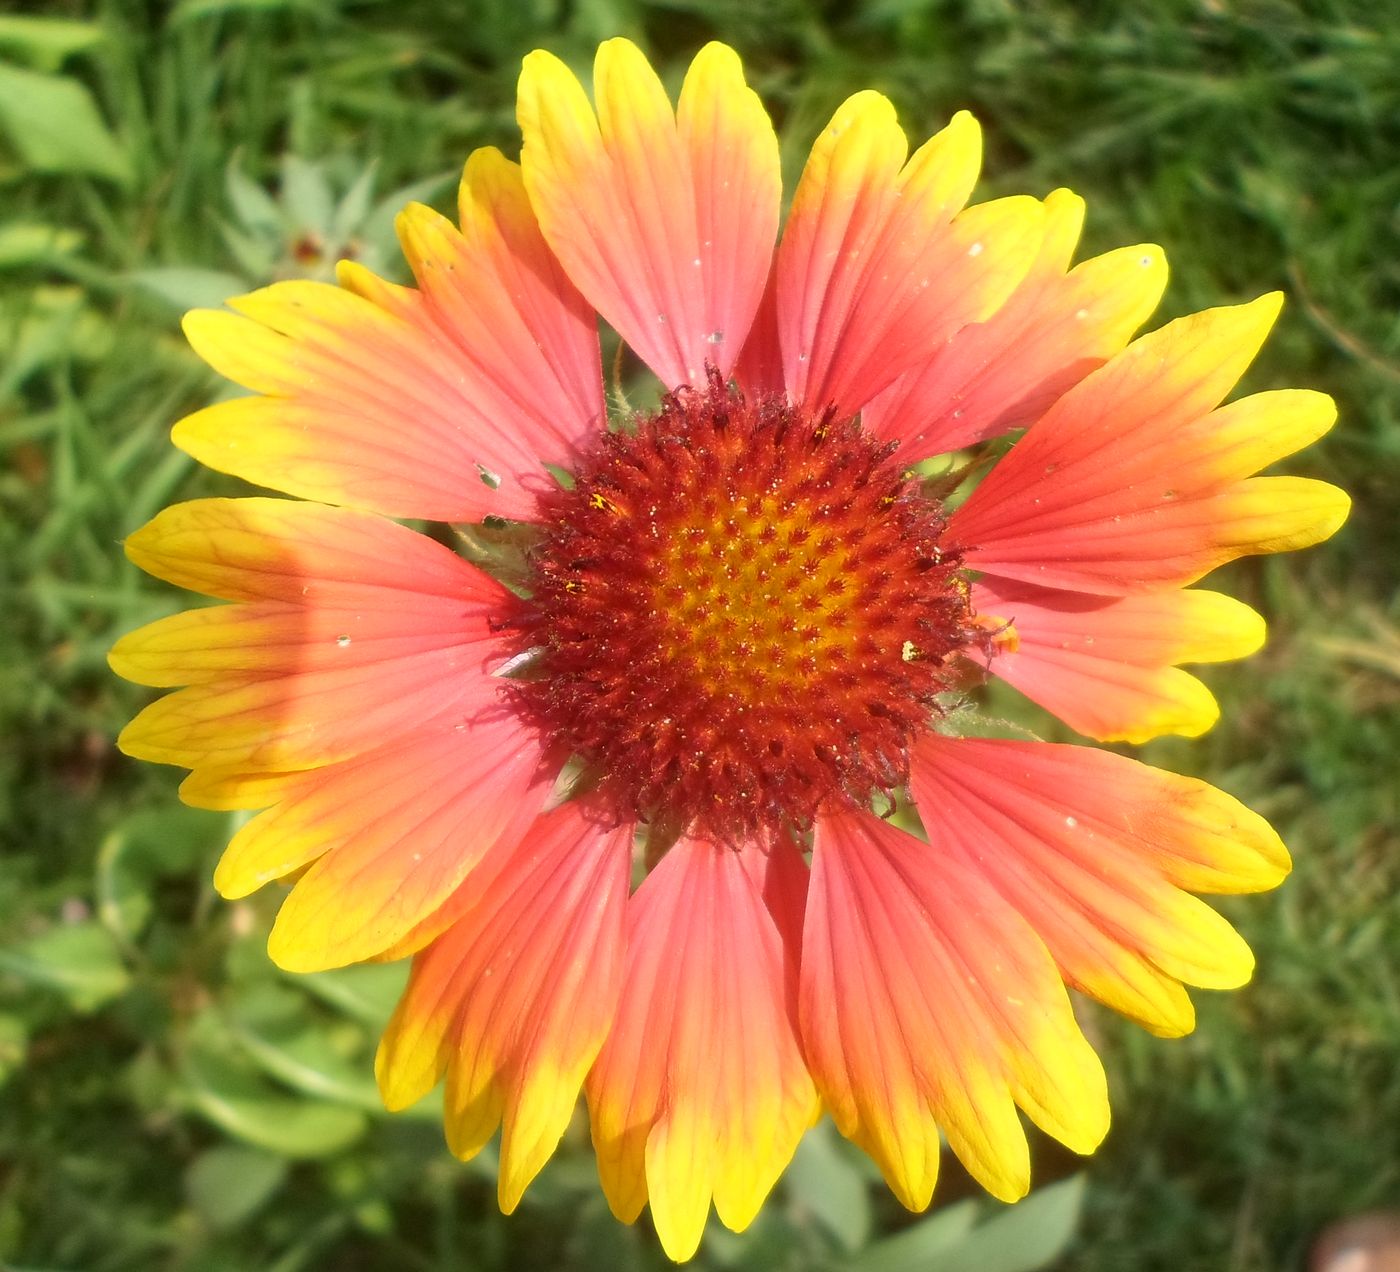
x,y
737,628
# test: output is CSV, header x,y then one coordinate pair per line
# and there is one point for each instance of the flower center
x,y
743,612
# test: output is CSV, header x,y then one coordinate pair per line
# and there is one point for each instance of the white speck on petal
x,y
975,250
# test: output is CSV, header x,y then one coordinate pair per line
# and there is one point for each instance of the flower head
x,y
742,613
739,624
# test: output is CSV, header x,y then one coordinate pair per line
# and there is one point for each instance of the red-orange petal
x,y
514,1000
759,370
700,1091
877,268
280,683
664,220
733,158
509,314
277,638
1096,852
1106,666
406,402
310,716
927,1003
1132,482
306,553
1056,327
392,835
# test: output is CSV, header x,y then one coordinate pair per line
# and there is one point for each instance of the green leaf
x,y
823,1181
353,207
306,195
598,1241
189,10
301,1053
377,227
766,1244
914,1249
124,901
255,254
14,1041
145,847
171,840
1031,1234
250,1109
55,126
256,210
80,960
367,993
47,42
229,1184
33,243
185,287
1022,1238
48,326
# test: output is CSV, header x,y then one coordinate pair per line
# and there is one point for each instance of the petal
x,y
876,269
226,790
283,550
1132,482
439,404
276,638
310,716
305,818
515,999
928,1003
842,202
1105,665
700,1090
1095,851
664,220
402,302
1171,544
1056,327
392,836
733,156
534,327
357,631
760,366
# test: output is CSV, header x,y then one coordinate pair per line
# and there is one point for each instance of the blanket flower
x,y
618,773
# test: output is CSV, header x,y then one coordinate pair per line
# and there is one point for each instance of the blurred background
x,y
169,1100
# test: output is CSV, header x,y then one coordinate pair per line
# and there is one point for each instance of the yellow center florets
x,y
749,596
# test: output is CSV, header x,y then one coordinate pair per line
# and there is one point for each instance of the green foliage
x,y
1026,1237
54,126
170,1100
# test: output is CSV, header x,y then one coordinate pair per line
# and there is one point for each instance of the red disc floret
x,y
741,613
